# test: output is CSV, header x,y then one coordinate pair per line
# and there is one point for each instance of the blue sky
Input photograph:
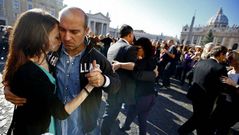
x,y
159,16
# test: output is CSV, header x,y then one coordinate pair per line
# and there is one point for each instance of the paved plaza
x,y
170,111
6,109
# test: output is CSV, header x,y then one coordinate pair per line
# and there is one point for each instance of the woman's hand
x,y
228,81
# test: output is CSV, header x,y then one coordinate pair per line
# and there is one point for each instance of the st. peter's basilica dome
x,y
220,20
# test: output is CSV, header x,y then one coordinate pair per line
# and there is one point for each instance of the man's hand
x,y
115,65
95,77
9,96
156,71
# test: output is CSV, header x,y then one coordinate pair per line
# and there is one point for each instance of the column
x,y
107,28
223,41
215,40
101,31
104,29
192,40
199,40
231,42
94,27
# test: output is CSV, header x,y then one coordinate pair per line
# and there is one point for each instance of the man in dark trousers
x,y
204,91
121,51
170,58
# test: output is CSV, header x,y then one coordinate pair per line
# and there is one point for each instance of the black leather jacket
x,y
91,106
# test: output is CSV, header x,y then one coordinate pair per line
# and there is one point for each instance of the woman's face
x,y
54,39
140,52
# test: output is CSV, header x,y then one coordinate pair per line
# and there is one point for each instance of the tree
x,y
208,38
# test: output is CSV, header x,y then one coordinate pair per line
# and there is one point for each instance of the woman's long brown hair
x,y
29,38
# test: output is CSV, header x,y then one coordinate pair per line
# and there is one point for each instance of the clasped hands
x,y
95,78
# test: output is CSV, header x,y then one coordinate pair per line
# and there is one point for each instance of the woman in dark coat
x,y
27,74
144,92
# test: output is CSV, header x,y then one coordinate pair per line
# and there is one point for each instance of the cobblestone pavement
x,y
6,109
170,111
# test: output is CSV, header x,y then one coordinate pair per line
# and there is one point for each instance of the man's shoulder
x,y
213,62
210,64
117,46
120,42
130,48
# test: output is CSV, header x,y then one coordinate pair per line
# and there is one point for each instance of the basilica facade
x,y
99,23
223,33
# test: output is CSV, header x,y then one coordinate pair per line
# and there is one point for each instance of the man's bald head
x,y
74,11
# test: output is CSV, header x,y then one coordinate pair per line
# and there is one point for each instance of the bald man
x,y
71,68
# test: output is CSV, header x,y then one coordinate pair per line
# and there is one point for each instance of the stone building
x,y
10,9
140,33
223,33
98,23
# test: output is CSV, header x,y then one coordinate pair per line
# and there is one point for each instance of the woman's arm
x,y
36,88
76,102
123,65
230,82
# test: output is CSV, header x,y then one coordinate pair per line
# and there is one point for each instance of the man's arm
x,y
169,53
139,75
9,96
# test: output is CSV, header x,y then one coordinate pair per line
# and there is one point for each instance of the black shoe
x,y
123,129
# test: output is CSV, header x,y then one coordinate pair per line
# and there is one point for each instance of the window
x,y
2,22
29,6
16,6
1,8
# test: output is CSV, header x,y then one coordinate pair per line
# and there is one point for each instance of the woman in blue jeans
x,y
144,92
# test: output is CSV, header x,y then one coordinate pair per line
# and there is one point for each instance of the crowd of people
x,y
4,36
57,69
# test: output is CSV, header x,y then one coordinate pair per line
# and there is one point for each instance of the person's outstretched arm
x,y
76,102
9,96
